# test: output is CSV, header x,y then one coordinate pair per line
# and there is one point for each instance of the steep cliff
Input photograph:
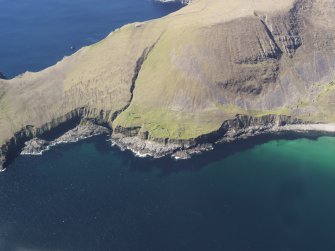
x,y
184,75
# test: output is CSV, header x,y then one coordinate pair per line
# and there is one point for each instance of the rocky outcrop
x,y
12,148
32,140
185,2
241,127
177,83
37,146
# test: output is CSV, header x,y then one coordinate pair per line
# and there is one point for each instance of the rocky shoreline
x,y
240,128
142,145
37,146
151,148
184,2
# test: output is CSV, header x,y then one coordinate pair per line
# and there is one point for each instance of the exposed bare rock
x,y
183,77
241,127
81,132
37,146
144,148
171,1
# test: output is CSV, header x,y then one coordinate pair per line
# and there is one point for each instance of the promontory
x,y
211,70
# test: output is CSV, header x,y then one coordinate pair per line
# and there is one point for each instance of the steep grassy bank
x,y
184,75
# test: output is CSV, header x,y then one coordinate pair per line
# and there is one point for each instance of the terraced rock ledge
x,y
142,145
179,84
241,127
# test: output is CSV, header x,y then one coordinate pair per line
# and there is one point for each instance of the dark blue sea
x,y
263,194
35,34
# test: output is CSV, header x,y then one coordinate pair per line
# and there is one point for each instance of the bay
x,y
258,194
261,194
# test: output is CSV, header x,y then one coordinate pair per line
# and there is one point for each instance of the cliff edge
x,y
183,76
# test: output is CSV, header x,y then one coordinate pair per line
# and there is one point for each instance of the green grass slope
x,y
181,76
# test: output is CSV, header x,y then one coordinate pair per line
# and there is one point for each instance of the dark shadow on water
x,y
17,143
168,165
288,194
61,129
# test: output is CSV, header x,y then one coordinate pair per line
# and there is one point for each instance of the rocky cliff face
x,y
182,77
242,126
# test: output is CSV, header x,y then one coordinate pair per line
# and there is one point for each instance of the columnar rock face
x,y
184,75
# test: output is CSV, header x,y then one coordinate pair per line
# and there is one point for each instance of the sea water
x,y
35,34
262,194
257,195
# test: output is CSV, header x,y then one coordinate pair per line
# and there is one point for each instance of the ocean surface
x,y
36,34
257,195
263,194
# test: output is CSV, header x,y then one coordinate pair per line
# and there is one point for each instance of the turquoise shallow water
x,y
258,195
253,195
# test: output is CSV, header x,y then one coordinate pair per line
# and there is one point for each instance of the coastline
x,y
183,2
154,149
37,146
308,128
111,113
144,147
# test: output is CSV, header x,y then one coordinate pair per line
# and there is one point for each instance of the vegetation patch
x,y
168,124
